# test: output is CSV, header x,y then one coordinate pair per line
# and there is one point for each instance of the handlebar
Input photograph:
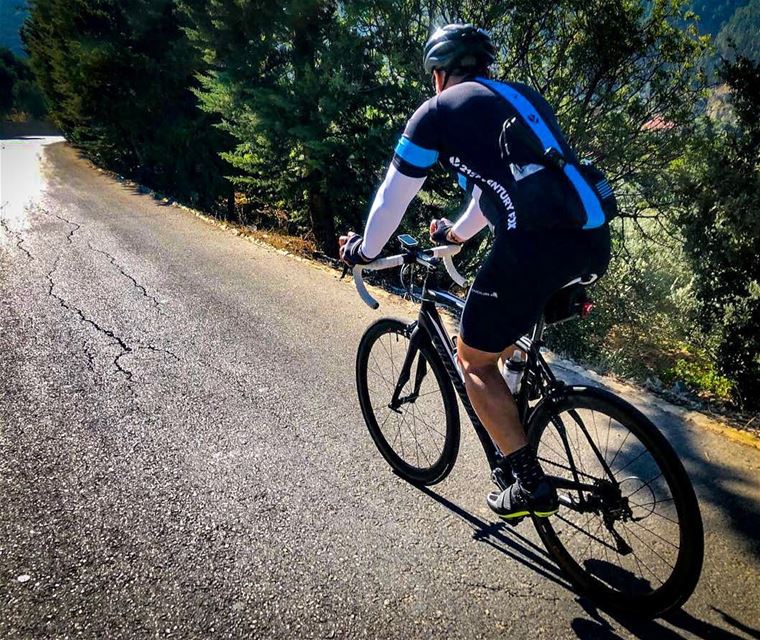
x,y
444,252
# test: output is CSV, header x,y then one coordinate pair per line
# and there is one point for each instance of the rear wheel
x,y
419,437
634,542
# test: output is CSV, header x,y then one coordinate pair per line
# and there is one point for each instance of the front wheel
x,y
632,537
418,432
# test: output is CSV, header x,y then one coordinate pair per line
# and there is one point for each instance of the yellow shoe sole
x,y
522,514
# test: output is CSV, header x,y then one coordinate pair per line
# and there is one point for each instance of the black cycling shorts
x,y
519,275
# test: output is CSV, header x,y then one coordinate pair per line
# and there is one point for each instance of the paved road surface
x,y
182,455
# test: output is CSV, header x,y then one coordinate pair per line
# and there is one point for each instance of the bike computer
x,y
408,241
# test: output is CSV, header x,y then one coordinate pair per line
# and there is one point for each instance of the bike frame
x,y
537,378
429,326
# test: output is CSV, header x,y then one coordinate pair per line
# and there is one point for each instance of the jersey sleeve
x,y
417,149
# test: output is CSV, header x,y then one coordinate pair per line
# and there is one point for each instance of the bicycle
x,y
607,460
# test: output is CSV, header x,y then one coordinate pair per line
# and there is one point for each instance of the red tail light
x,y
586,308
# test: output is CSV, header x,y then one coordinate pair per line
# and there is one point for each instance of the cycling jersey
x,y
544,235
461,127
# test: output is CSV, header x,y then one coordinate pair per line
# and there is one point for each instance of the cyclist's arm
x,y
415,154
471,221
388,208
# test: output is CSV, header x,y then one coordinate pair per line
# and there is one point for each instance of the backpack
x,y
528,139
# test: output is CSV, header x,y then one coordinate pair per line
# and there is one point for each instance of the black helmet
x,y
458,47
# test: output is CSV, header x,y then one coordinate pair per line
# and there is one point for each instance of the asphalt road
x,y
182,453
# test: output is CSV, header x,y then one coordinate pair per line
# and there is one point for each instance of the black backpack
x,y
520,144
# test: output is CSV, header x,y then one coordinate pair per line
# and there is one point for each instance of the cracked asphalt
x,y
182,453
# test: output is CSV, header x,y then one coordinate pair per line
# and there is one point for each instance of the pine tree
x,y
118,78
310,99
719,187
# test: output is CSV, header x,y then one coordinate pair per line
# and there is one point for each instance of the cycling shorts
x,y
519,275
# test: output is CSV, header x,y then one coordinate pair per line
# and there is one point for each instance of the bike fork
x,y
405,373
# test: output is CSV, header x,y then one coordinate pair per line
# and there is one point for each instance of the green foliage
x,y
18,90
719,186
118,76
315,92
644,306
700,375
312,94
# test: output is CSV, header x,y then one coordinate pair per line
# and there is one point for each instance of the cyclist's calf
x,y
490,397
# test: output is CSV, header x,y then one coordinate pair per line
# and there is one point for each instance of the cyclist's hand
x,y
350,249
440,232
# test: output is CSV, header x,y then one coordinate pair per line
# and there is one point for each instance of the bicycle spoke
x,y
432,428
561,466
575,526
390,358
630,462
639,562
424,453
382,377
579,456
612,462
646,484
607,441
656,535
670,566
654,512
643,505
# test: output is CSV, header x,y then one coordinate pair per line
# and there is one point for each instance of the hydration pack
x,y
527,139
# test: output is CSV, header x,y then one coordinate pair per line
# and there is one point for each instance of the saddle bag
x,y
567,303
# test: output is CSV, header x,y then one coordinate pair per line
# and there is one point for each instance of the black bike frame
x,y
431,325
537,377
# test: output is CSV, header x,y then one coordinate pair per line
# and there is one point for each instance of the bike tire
x,y
431,471
680,584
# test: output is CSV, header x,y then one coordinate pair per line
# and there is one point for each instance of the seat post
x,y
538,332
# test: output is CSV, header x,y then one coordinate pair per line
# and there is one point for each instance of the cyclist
x,y
547,230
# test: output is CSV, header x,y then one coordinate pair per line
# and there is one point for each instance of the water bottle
x,y
513,371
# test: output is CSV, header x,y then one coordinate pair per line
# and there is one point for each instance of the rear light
x,y
586,308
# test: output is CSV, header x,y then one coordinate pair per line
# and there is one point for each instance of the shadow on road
x,y
508,541
32,130
504,539
718,484
596,627
715,483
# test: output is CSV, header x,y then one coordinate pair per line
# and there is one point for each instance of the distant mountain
x,y
714,14
741,34
12,16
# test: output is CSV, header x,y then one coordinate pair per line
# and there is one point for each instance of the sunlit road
x,y
182,453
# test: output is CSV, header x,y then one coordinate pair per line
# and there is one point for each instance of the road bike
x,y
629,532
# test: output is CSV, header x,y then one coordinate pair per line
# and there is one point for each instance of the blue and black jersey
x,y
461,129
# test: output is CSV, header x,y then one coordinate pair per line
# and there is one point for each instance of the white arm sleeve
x,y
389,206
472,220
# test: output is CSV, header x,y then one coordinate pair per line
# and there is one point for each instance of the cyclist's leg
x,y
490,397
492,401
500,307
504,301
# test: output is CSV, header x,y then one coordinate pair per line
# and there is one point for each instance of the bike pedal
x,y
513,522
